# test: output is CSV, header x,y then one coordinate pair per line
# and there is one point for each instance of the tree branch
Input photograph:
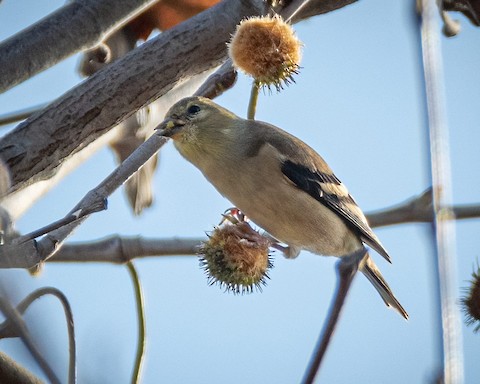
x,y
12,372
119,250
78,25
9,329
418,209
21,329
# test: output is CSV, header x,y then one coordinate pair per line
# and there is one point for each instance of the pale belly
x,y
287,213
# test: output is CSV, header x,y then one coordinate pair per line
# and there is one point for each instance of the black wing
x,y
341,203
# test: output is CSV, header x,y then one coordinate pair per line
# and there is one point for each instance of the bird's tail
x,y
372,273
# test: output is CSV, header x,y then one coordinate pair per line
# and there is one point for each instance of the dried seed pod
x,y
236,257
267,49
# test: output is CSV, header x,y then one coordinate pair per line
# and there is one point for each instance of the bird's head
x,y
197,124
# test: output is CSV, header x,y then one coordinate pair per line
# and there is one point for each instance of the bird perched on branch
x,y
277,180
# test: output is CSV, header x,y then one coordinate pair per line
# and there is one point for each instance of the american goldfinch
x,y
278,181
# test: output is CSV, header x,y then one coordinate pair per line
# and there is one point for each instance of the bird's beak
x,y
169,127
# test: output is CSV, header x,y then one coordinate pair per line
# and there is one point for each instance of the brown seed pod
x,y
236,258
267,49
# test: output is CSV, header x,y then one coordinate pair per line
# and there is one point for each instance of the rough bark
x,y
79,25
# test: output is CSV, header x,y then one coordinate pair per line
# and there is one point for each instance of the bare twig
x,y
347,267
119,250
294,8
9,329
94,201
142,327
418,209
21,330
22,114
31,51
221,80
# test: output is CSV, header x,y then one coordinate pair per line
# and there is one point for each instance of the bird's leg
x,y
347,266
235,216
290,252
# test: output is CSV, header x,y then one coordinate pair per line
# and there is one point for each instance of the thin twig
x,y
32,50
22,114
142,328
310,8
8,330
119,250
252,104
346,269
21,329
418,209
221,80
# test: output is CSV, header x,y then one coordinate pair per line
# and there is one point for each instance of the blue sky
x,y
358,102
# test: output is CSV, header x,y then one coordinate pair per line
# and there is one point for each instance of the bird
x,y
278,181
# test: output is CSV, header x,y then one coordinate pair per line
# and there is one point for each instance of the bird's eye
x,y
193,109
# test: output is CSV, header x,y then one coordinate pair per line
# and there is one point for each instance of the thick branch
x,y
12,372
78,25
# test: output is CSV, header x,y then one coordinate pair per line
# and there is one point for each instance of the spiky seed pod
x,y
267,49
471,302
236,258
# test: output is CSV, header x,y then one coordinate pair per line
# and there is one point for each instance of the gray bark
x,y
79,25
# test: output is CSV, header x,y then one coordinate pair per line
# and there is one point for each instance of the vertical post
x,y
443,225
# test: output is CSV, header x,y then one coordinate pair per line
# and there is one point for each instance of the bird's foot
x,y
289,252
